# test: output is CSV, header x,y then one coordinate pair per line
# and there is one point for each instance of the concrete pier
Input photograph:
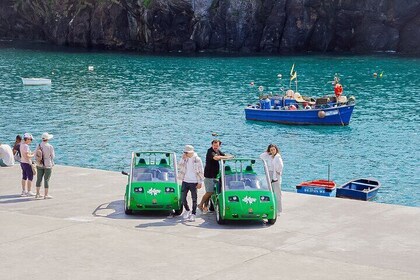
x,y
83,233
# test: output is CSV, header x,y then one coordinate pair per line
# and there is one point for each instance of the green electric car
x,y
244,192
152,183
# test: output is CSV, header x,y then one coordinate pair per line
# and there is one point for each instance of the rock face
x,y
248,26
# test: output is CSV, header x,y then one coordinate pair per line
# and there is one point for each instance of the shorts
x,y
209,184
27,173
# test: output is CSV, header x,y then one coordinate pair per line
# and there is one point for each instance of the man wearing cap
x,y
6,155
45,161
191,173
25,164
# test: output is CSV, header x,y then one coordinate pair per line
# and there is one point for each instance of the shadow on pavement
x,y
115,210
15,198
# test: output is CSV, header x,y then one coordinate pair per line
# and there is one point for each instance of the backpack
x,y
39,157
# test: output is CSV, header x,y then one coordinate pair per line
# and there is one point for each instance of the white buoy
x,y
90,68
260,88
279,76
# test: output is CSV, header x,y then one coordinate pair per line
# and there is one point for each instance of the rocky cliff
x,y
248,26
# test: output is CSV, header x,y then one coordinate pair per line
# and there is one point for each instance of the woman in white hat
x,y
45,161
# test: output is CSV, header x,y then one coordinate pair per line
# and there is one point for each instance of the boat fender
x,y
338,90
307,107
321,114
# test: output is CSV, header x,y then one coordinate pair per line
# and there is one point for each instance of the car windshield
x,y
153,173
241,181
245,174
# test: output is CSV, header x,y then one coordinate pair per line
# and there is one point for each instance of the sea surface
x,y
132,102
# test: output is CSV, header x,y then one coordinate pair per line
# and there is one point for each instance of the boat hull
x,y
36,81
317,187
331,116
360,189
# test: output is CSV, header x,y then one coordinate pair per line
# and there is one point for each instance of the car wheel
x,y
178,212
126,210
219,218
272,221
211,205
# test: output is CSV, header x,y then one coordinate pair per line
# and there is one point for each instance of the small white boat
x,y
36,81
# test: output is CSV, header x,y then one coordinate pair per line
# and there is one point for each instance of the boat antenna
x,y
329,171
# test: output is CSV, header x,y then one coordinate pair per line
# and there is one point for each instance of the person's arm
x,y
28,153
264,155
278,168
200,173
223,157
52,153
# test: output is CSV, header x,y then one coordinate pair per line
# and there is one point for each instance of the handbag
x,y
33,166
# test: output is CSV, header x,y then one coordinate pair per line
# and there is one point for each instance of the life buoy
x,y
321,114
338,90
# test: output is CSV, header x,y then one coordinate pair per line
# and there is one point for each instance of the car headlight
x,y
139,190
233,198
264,198
169,190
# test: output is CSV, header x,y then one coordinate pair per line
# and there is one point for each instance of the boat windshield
x,y
248,182
153,173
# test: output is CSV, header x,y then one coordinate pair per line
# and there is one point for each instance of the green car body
x,y
242,194
152,183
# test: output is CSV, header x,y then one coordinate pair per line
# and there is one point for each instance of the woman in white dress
x,y
275,168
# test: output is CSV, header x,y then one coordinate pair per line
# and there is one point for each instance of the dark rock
x,y
246,26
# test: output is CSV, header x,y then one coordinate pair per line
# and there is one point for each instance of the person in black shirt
x,y
211,170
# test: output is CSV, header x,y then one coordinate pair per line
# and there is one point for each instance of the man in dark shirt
x,y
211,170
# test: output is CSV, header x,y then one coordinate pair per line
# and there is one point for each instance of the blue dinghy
x,y
361,189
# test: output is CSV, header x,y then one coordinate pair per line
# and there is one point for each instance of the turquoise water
x,y
138,102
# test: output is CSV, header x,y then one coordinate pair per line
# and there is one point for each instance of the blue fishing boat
x,y
361,189
292,108
332,115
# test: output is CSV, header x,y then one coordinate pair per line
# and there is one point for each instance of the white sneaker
x,y
48,197
30,194
186,215
192,218
38,196
24,193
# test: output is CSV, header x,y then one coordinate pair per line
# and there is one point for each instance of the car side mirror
x,y
124,173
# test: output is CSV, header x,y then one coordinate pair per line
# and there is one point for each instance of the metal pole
x,y
329,171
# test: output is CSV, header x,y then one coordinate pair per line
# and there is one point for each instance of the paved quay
x,y
83,233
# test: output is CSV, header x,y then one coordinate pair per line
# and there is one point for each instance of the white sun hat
x,y
188,149
46,136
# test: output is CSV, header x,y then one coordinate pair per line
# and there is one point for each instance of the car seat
x,y
236,185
